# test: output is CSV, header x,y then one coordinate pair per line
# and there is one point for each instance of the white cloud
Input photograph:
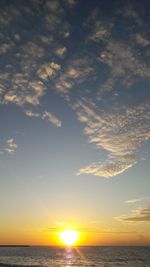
x,y
119,132
11,146
76,72
122,61
30,113
31,63
51,118
24,91
114,63
135,200
45,116
108,169
47,70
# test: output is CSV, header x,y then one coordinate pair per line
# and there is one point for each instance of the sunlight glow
x,y
69,237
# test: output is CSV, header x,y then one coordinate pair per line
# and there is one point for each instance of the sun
x,y
69,237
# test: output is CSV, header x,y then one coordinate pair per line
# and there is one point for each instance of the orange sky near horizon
x,y
39,237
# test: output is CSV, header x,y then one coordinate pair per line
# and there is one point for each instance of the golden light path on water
x,y
72,255
69,238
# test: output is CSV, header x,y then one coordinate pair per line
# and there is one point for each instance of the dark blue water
x,y
77,257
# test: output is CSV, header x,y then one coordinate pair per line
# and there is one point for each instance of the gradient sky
x,y
75,121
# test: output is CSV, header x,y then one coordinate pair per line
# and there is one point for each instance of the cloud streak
x,y
49,117
141,215
30,113
135,200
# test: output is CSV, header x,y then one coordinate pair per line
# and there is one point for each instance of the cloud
x,y
101,64
99,30
76,71
60,51
24,91
47,70
140,215
122,59
51,118
128,11
45,116
108,169
119,131
118,128
32,50
135,200
30,113
141,40
5,47
54,19
11,146
72,2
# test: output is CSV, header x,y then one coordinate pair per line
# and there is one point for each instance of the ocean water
x,y
77,257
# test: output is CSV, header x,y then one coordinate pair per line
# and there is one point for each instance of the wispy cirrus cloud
x,y
140,215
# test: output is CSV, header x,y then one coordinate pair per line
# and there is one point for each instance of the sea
x,y
75,257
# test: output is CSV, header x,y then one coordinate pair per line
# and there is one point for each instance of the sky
x,y
74,121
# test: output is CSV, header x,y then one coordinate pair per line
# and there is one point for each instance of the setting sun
x,y
69,237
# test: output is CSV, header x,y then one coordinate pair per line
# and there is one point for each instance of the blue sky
x,y
75,116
